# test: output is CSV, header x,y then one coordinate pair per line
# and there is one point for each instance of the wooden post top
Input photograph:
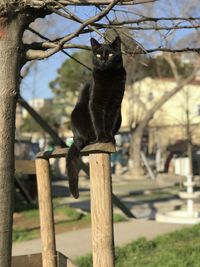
x,y
90,149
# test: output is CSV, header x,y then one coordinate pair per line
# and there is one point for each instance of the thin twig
x,y
153,19
160,49
147,28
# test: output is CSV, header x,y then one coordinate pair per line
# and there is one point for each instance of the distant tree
x,y
71,76
30,125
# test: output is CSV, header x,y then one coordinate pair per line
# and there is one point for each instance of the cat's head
x,y
107,56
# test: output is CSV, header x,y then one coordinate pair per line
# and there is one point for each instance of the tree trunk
x,y
189,142
136,140
11,31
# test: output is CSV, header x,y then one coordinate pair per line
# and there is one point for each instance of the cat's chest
x,y
111,85
108,86
106,93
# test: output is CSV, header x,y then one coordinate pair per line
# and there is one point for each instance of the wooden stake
x,y
46,213
101,210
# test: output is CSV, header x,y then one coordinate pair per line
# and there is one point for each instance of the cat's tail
x,y
72,167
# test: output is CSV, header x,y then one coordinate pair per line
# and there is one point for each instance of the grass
x,y
178,249
26,220
27,226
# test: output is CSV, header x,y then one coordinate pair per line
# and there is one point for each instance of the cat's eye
x,y
98,55
110,54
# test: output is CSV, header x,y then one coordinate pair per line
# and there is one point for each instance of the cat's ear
x,y
116,44
95,45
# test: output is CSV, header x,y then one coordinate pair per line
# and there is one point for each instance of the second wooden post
x,y
101,210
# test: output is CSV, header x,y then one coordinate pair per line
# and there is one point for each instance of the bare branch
x,y
147,19
38,8
45,49
73,17
58,12
43,4
169,59
145,28
90,21
41,54
159,49
161,28
48,44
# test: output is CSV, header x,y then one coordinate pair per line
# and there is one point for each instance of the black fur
x,y
97,114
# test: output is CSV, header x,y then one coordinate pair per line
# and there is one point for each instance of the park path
x,y
78,243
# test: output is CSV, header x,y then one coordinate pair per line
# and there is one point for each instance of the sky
x,y
36,84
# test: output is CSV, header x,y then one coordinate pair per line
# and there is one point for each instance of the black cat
x,y
97,114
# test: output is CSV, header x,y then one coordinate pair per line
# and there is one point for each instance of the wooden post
x,y
101,210
46,213
98,147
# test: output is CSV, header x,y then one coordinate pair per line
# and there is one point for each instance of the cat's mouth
x,y
105,66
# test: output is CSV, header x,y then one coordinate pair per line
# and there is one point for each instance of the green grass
x,y
68,211
24,235
26,226
178,249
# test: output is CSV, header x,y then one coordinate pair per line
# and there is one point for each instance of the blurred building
x,y
38,104
168,123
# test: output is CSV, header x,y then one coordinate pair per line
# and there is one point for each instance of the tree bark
x,y
136,140
11,31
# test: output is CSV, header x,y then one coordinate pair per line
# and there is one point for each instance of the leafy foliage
x,y
71,76
47,113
